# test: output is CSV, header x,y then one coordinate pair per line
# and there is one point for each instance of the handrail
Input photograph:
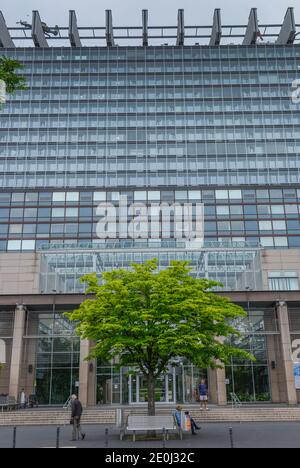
x,y
67,404
235,401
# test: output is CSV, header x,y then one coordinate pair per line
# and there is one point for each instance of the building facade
x,y
216,125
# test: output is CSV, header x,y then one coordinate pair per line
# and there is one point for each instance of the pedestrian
x,y
23,399
192,424
203,395
76,414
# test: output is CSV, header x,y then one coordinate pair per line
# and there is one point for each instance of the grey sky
x,y
128,12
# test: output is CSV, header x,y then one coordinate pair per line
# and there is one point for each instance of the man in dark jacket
x,y
76,414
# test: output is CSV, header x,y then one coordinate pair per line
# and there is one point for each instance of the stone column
x,y
217,386
288,370
87,375
17,351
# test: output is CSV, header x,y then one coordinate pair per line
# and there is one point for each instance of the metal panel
x,y
252,31
38,34
216,32
288,30
145,27
109,29
5,39
180,28
73,30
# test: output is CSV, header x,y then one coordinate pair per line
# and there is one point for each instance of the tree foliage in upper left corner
x,y
8,73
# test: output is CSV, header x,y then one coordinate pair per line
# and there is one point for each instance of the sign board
x,y
2,92
2,352
297,375
227,382
76,384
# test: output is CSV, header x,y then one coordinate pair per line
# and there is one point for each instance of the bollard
x,y
14,437
164,437
231,437
57,436
106,437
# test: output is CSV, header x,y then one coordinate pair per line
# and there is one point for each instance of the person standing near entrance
x,y
23,399
76,414
203,395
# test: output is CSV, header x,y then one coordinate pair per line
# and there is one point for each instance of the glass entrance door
x,y
164,389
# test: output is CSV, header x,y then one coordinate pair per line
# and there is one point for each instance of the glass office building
x,y
182,123
215,124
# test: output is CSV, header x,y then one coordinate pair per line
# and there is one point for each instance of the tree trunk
x,y
151,394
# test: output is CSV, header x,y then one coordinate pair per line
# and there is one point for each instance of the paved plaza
x,y
212,435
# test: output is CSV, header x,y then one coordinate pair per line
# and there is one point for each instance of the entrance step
x,y
108,416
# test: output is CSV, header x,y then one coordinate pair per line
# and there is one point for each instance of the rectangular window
x,y
30,213
72,196
235,194
265,225
222,210
72,212
279,225
16,213
140,196
283,281
17,198
15,228
221,194
181,195
154,196
277,209
281,241
28,244
58,196
58,212
267,241
195,195
99,196
14,245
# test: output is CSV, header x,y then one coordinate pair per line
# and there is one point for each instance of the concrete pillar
x,y
87,376
17,352
288,369
217,386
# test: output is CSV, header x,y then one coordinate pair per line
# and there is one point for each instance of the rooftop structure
x,y
38,33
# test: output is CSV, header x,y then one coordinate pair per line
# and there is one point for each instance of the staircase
x,y
60,417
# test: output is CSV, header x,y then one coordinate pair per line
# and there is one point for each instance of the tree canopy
x,y
146,318
8,73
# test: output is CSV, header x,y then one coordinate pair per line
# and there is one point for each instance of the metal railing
x,y
67,404
235,401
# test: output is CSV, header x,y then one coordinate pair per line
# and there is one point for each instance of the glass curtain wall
x,y
249,380
57,358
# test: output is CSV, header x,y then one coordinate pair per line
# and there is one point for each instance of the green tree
x,y
146,318
8,73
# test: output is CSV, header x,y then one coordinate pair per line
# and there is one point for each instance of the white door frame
x,y
137,383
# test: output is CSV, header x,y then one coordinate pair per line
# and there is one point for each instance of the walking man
x,y
76,408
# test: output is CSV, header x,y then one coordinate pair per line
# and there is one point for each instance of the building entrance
x,y
165,389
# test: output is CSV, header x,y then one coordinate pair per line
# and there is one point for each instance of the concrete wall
x,y
276,260
19,273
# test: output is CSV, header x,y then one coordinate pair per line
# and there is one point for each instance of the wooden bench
x,y
163,424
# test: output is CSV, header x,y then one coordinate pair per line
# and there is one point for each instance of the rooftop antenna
x,y
25,24
48,30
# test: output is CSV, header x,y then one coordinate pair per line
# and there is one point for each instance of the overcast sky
x,y
161,12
